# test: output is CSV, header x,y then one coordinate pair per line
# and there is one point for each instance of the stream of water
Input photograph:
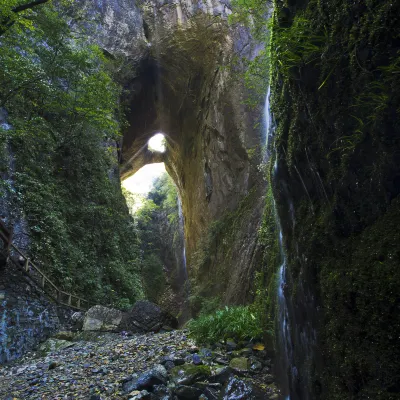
x,y
285,352
182,238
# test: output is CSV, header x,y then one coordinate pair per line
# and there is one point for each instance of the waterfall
x,y
267,117
285,368
184,273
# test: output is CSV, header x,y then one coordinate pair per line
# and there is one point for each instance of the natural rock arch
x,y
183,90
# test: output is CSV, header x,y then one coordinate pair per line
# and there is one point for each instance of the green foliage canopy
x,y
63,106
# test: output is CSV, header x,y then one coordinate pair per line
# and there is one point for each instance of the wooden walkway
x,y
25,265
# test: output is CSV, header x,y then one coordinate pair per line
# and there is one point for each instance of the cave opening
x,y
156,208
157,143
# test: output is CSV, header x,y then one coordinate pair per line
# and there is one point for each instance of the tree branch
x,y
9,22
28,6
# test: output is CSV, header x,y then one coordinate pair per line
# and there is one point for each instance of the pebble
x,y
135,367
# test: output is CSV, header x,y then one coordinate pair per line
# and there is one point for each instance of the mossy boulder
x,y
52,345
102,319
240,364
188,374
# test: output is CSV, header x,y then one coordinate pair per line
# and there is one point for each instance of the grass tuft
x,y
239,323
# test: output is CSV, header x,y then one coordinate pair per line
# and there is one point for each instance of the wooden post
x,y
69,299
10,238
78,304
27,265
43,281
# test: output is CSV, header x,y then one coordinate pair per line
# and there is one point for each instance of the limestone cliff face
x,y
186,87
117,24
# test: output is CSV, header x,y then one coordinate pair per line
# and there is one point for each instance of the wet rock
x,y
189,374
130,384
77,319
268,378
169,365
52,345
231,345
222,375
53,365
255,365
162,392
240,364
196,359
246,352
203,385
100,318
155,376
210,390
237,389
64,335
146,317
212,393
187,392
206,353
143,395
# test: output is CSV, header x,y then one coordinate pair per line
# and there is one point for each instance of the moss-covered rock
x,y
240,364
52,345
335,182
188,374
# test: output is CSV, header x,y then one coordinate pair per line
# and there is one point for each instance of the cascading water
x,y
183,274
182,237
267,117
285,366
285,342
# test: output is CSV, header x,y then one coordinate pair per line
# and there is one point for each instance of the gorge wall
x,y
335,177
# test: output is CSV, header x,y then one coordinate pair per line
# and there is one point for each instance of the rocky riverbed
x,y
160,366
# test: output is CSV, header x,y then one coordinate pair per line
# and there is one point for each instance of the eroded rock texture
x,y
187,88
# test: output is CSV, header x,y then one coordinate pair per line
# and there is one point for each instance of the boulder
x,y
188,374
77,319
52,345
155,376
146,317
187,392
236,389
222,375
240,364
99,318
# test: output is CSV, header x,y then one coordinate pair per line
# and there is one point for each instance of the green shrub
x,y
239,323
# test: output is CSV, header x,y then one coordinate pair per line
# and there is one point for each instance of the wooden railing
x,y
24,264
6,237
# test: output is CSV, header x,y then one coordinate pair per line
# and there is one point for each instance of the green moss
x,y
62,102
188,374
360,295
335,106
335,94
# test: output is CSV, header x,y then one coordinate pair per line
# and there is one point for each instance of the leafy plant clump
x,y
239,323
